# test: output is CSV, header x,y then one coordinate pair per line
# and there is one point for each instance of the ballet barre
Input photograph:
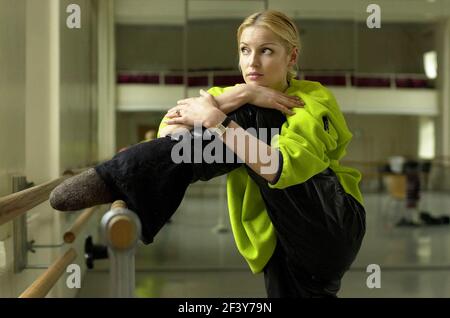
x,y
120,228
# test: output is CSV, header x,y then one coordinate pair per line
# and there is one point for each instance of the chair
x,y
395,202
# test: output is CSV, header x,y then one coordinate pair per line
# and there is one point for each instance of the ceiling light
x,y
430,64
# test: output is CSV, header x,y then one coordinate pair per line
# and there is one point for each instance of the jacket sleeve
x,y
306,139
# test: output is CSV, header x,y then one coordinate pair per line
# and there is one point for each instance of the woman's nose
x,y
254,60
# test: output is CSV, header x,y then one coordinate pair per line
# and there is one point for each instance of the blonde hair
x,y
278,23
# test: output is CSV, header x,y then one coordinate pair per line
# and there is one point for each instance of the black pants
x,y
146,177
317,240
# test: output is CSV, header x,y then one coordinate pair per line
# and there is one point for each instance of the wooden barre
x,y
118,204
42,285
121,230
15,204
71,234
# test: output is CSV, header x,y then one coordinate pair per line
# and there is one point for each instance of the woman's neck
x,y
282,87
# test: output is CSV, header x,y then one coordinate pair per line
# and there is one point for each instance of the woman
x,y
296,214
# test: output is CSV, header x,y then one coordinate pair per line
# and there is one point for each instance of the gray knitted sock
x,y
81,191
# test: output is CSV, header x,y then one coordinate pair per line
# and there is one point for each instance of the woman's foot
x,y
79,192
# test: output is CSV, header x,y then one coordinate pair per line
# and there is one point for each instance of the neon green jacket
x,y
307,150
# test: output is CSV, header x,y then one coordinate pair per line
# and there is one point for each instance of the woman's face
x,y
263,58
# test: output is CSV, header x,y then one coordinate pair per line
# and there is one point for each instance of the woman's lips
x,y
254,76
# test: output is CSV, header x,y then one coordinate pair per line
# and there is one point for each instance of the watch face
x,y
220,129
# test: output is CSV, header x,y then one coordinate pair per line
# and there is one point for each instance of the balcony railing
x,y
227,78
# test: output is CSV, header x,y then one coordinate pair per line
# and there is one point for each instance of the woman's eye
x,y
267,51
244,50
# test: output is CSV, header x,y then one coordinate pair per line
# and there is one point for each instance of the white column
x,y
42,90
441,178
106,80
444,85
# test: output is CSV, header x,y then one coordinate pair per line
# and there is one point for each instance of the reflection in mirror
x,y
212,54
149,65
383,63
149,37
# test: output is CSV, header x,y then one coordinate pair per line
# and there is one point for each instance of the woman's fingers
x,y
295,99
288,100
174,121
172,115
296,103
284,109
293,102
173,109
292,96
176,108
288,112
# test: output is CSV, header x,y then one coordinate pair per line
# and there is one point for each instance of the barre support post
x,y
121,229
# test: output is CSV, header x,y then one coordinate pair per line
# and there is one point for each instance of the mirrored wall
x,y
380,61
357,50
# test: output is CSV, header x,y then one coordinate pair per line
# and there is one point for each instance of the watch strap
x,y
226,121
222,127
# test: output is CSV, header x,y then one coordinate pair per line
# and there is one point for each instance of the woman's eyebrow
x,y
261,44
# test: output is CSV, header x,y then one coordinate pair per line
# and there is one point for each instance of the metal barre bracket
x,y
20,232
121,229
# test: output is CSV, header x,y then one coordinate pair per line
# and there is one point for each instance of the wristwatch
x,y
222,127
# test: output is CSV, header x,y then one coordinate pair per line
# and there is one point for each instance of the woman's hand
x,y
203,110
269,98
261,96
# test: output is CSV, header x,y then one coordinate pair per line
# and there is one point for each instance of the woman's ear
x,y
293,56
